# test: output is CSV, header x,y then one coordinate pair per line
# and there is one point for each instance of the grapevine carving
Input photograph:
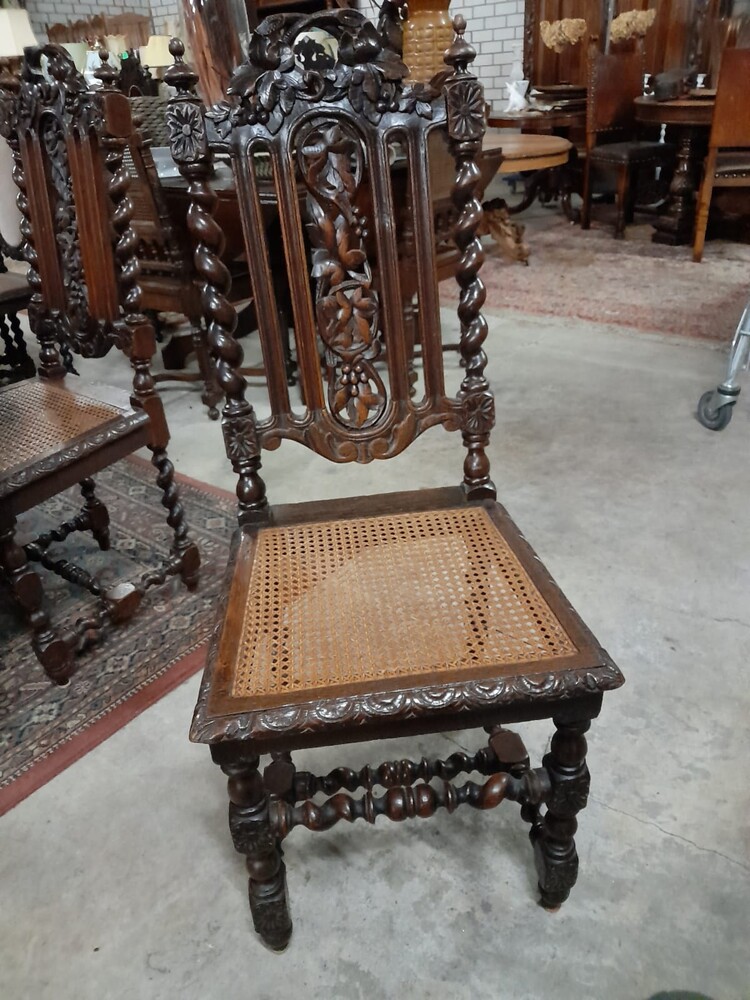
x,y
331,161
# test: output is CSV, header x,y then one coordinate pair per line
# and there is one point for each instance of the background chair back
x,y
66,198
331,141
615,79
731,121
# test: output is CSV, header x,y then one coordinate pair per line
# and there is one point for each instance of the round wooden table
x,y
688,121
546,122
527,151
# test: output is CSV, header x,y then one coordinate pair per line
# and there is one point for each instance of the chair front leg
x,y
253,836
554,847
50,648
623,195
98,514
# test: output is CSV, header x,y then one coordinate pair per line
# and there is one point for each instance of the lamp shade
x,y
15,32
77,52
116,44
156,52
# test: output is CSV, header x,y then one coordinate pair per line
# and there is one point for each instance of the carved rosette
x,y
187,132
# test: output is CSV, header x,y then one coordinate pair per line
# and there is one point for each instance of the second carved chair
x,y
67,147
389,615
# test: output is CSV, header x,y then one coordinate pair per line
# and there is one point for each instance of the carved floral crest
x,y
366,69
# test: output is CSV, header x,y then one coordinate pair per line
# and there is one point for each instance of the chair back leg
x,y
586,206
623,196
704,202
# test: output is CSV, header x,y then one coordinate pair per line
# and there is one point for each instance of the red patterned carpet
x,y
631,282
45,728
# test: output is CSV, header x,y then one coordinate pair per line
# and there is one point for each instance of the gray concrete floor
x,y
118,877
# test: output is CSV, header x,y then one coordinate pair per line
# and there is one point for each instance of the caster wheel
x,y
714,419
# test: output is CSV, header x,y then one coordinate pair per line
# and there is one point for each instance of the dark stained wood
x,y
688,121
615,81
728,160
335,133
67,146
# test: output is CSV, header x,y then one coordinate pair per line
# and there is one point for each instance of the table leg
x,y
675,227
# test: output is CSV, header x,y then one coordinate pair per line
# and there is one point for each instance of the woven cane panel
x,y
343,602
40,419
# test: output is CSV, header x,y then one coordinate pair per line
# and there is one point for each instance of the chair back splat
x,y
332,137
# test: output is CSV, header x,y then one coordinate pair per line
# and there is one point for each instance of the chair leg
x,y
554,846
97,513
212,391
51,650
183,547
22,362
586,196
623,194
704,203
250,826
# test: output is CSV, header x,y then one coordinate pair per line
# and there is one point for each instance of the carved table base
x,y
676,225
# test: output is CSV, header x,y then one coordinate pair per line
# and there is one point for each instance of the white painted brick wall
x,y
495,27
44,12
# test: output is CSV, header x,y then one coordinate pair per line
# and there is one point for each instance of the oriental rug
x,y
45,728
632,282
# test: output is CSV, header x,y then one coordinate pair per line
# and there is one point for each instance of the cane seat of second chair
x,y
395,614
615,80
728,160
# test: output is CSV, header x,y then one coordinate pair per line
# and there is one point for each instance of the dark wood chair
x,y
80,248
728,161
15,295
615,80
383,616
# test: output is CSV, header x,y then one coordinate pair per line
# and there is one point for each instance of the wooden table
x,y
541,122
688,121
554,182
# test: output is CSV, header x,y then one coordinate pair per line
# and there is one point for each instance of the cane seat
x,y
352,602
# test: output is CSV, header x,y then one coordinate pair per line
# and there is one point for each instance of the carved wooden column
x,y
554,846
142,339
464,100
253,836
189,147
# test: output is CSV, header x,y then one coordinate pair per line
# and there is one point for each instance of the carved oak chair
x,y
392,615
615,80
67,146
728,160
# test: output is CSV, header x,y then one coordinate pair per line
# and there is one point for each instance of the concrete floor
x,y
118,877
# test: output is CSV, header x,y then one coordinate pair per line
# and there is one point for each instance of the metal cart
x,y
715,406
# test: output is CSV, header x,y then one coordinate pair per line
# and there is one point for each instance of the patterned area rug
x,y
45,728
631,282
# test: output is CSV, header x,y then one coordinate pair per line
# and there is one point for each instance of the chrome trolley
x,y
715,406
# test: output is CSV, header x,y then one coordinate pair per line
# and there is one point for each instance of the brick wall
x,y
44,12
495,27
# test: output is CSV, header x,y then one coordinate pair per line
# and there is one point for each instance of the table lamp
x,y
116,44
155,54
15,33
78,52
